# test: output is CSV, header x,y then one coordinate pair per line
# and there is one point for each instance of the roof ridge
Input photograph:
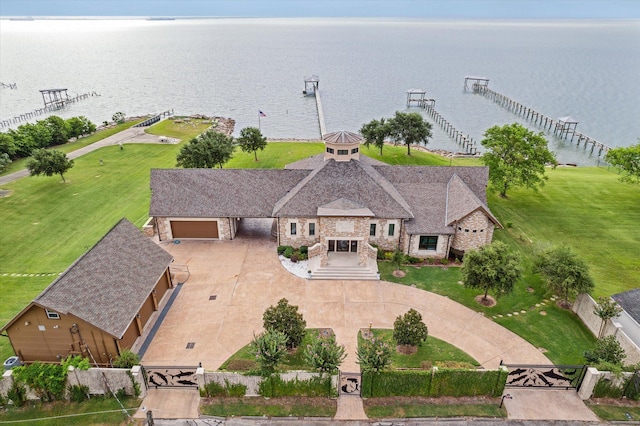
x,y
479,202
284,200
386,186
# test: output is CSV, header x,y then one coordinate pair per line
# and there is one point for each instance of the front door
x,y
342,245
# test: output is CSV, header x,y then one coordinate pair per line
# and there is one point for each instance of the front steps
x,y
344,272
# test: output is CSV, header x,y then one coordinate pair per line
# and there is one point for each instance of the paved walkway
x,y
131,135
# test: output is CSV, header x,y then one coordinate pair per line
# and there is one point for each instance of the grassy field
x,y
76,411
376,410
271,407
434,351
616,412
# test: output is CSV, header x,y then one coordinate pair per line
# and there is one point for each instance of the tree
x,y
208,150
606,308
410,128
49,162
4,161
374,355
251,140
375,132
397,258
79,126
627,159
126,359
408,329
606,349
59,130
286,319
269,348
324,354
32,135
7,145
118,117
563,271
516,157
491,267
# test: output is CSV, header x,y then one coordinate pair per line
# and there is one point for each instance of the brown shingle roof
x,y
108,284
219,192
351,180
342,137
461,201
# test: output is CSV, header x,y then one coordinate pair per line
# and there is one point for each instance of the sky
x,y
472,9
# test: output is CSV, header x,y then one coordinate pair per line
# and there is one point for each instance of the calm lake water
x,y
235,67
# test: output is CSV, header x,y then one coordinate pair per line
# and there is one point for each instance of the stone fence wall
x,y
593,376
584,306
251,382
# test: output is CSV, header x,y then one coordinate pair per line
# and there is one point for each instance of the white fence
x,y
584,307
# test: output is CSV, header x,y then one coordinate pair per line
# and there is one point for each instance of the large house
x,y
339,204
100,305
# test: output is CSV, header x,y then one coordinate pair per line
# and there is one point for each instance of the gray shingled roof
x,y
425,190
352,180
108,285
342,137
461,201
630,302
219,192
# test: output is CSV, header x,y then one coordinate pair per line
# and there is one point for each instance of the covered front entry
x,y
194,229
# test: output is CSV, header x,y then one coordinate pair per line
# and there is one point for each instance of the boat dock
x,y
311,88
561,127
49,107
418,97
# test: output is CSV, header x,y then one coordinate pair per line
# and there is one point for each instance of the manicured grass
x,y
275,156
418,409
40,410
77,144
588,209
184,131
292,361
434,351
273,407
397,155
616,412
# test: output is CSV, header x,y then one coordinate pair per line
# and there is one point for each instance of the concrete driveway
x,y
246,277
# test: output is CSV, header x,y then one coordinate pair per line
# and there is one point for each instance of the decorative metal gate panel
x,y
170,377
350,383
546,376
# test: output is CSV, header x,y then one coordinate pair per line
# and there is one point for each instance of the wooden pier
x,y
418,97
311,88
562,127
148,122
50,107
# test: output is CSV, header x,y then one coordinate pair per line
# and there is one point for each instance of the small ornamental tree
x,y
269,348
606,349
126,359
375,132
208,150
374,355
606,308
491,267
286,319
564,272
627,159
251,140
409,330
49,162
4,161
324,354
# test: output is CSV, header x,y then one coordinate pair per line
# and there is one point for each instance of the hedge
x,y
274,386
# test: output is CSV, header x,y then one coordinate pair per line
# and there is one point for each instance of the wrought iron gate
x,y
170,377
546,376
350,383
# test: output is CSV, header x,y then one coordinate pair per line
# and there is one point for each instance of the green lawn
x,y
376,410
616,412
36,410
271,407
434,351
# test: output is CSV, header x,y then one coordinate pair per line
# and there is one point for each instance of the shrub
x,y
606,349
213,389
17,394
288,252
374,355
126,359
413,260
78,393
78,362
324,354
269,348
444,261
303,249
606,389
281,249
48,381
121,393
285,318
408,329
274,386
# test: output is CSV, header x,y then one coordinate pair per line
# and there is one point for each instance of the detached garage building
x,y
100,305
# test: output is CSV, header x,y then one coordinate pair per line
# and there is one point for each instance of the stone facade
x,y
302,236
382,238
472,232
227,227
412,247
